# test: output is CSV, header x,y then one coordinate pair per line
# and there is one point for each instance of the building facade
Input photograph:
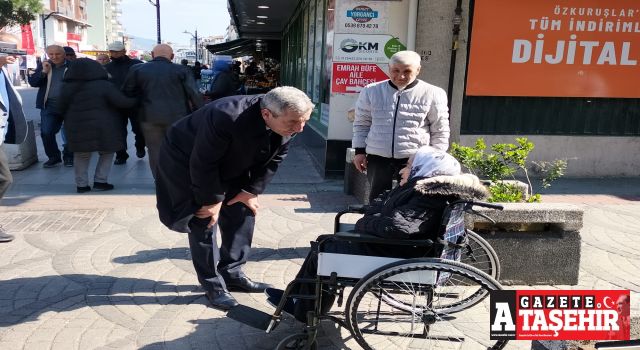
x,y
104,16
563,75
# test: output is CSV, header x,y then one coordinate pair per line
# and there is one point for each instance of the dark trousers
x,y
50,124
154,134
213,264
381,172
5,175
139,138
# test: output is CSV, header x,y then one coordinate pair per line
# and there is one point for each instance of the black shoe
x,y
141,153
83,189
245,284
51,163
221,300
68,162
5,237
275,295
102,186
120,161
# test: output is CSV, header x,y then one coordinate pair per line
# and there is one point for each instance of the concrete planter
x,y
537,243
21,156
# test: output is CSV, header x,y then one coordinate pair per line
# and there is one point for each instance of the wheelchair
x,y
431,302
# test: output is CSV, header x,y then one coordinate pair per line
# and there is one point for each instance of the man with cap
x,y
118,69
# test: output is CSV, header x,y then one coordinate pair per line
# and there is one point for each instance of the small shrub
x,y
505,161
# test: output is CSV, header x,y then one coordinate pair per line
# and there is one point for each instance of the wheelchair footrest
x,y
250,316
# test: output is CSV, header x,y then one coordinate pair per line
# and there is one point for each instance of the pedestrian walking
x,y
13,129
118,69
48,79
89,104
166,92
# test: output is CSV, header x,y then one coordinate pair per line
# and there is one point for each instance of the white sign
x,y
362,17
364,48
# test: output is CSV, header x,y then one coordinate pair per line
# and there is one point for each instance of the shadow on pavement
x,y
182,253
25,299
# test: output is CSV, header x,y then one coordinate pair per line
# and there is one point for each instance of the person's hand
x,y
212,211
360,161
46,67
248,199
7,60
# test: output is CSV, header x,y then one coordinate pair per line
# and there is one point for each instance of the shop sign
x,y
576,48
352,77
362,17
365,48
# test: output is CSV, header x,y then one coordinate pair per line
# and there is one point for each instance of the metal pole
x,y
158,19
44,32
196,44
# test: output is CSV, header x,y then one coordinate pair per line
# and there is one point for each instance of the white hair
x,y
286,97
409,58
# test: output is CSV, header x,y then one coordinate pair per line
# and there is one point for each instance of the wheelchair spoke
x,y
391,314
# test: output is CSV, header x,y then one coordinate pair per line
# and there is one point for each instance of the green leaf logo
x,y
392,46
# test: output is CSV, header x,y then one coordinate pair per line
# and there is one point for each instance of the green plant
x,y
504,162
14,12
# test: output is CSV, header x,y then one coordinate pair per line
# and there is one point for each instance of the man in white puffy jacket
x,y
394,118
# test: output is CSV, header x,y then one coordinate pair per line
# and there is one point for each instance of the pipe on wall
x,y
411,26
457,20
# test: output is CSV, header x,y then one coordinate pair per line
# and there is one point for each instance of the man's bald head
x,y
162,50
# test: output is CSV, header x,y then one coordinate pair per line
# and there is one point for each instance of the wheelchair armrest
x,y
367,238
351,209
356,208
356,234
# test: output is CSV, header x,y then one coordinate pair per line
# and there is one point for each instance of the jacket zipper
x,y
393,134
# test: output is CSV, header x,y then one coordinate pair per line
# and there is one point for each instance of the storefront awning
x,y
259,19
246,47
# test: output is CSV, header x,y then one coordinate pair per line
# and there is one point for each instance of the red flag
x,y
27,39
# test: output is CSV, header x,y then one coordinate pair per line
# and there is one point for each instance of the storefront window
x,y
305,52
319,40
328,50
310,46
303,57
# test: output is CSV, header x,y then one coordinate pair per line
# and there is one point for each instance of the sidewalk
x,y
99,271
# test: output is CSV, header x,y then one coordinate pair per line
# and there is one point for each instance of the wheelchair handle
x,y
487,205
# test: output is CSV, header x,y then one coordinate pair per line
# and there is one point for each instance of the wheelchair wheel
x,y
408,305
299,341
481,255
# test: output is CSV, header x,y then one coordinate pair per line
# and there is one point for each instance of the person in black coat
x,y
118,69
89,105
166,92
429,182
212,166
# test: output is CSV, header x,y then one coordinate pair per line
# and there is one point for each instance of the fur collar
x,y
464,186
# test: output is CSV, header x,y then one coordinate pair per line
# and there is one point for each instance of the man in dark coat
x,y
166,92
118,69
212,166
13,128
48,79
